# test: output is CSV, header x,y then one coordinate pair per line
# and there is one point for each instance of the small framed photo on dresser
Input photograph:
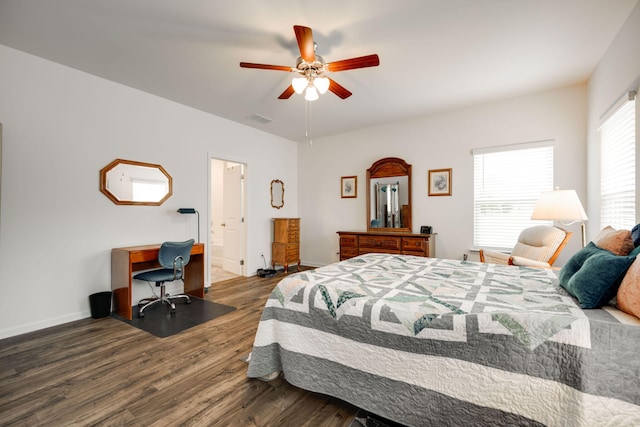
x,y
349,187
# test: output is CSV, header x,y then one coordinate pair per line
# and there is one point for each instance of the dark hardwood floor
x,y
108,373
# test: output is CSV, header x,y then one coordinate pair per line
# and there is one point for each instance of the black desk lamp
x,y
191,211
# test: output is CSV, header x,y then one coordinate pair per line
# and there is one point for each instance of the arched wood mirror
x,y
126,182
389,196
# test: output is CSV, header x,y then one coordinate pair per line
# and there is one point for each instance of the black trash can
x,y
100,304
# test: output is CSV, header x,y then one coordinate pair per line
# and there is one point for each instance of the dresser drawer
x,y
414,244
380,243
348,252
350,240
294,224
293,252
285,252
422,254
363,251
293,236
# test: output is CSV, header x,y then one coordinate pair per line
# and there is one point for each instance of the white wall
x,y
61,126
436,142
617,73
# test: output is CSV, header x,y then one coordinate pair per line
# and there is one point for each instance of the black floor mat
x,y
159,321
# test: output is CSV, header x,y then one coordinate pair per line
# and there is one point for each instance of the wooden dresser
x,y
354,243
285,248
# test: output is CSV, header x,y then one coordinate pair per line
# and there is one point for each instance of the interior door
x,y
233,212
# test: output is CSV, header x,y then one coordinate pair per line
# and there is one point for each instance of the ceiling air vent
x,y
260,119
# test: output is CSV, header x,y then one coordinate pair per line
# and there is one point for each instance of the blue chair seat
x,y
162,275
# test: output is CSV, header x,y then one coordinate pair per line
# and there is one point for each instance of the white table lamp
x,y
563,206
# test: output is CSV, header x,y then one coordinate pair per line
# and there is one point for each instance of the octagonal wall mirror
x,y
277,194
127,182
389,196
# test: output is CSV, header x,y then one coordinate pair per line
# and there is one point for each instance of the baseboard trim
x,y
42,324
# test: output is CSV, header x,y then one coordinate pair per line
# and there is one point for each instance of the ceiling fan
x,y
312,69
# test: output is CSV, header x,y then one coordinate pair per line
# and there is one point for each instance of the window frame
x,y
619,209
522,204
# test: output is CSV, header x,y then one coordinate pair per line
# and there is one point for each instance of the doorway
x,y
227,219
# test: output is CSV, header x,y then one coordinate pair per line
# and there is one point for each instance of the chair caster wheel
x,y
188,301
141,315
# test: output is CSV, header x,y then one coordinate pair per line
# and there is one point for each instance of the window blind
x,y
618,167
507,184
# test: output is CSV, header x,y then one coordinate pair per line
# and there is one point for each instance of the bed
x,y
437,342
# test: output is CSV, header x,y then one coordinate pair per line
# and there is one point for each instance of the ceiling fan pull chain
x,y
307,113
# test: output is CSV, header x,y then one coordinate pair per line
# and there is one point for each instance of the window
x,y
152,191
618,166
507,184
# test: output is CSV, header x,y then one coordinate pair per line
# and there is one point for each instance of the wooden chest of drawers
x,y
354,243
285,248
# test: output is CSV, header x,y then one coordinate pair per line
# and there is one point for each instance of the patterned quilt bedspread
x,y
426,341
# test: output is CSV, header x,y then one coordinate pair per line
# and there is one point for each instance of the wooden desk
x,y
126,261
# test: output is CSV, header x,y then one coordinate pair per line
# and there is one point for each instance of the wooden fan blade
x,y
305,42
287,93
338,89
350,64
266,66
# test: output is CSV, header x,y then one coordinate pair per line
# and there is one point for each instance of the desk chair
x,y
537,246
173,257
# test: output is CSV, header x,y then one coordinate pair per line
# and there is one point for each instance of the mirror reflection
x,y
390,202
127,182
389,195
277,194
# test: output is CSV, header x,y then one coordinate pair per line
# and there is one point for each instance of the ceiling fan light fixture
x,y
311,93
299,84
310,69
322,84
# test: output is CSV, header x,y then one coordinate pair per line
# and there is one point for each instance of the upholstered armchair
x,y
537,246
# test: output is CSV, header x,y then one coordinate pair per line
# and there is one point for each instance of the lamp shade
x,y
186,210
559,205
311,94
322,84
299,84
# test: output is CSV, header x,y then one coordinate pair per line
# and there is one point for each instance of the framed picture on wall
x,y
349,187
440,182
